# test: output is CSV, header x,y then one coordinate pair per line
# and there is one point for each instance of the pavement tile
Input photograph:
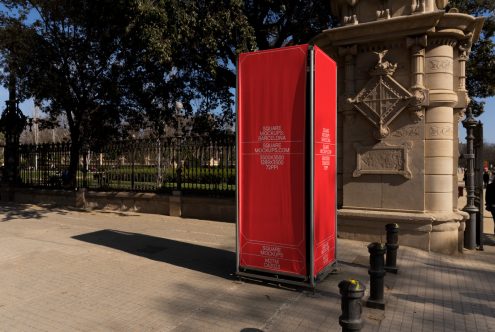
x,y
66,270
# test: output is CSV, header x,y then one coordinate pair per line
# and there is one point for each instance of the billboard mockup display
x,y
286,163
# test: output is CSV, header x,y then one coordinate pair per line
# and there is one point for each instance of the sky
x,y
487,118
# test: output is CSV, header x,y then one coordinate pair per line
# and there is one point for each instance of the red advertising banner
x,y
271,160
324,195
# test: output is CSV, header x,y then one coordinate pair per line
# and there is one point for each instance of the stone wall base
x,y
442,232
220,209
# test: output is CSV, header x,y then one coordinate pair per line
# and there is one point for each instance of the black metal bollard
x,y
392,246
352,291
377,273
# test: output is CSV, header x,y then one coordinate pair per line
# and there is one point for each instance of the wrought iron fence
x,y
186,164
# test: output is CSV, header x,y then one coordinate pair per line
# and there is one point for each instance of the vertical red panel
x,y
325,171
271,137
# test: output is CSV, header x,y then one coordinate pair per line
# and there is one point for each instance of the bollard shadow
x,y
476,307
354,264
246,308
487,295
213,261
488,239
460,270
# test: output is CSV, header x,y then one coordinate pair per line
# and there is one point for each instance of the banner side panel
x,y
325,161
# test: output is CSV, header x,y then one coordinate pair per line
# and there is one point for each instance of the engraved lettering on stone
x,y
441,65
441,131
406,132
383,159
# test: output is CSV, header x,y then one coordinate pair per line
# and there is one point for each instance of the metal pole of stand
x,y
392,246
377,274
352,291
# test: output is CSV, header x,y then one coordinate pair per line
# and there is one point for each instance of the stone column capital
x,y
345,51
442,41
417,42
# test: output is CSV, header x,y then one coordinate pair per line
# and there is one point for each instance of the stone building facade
x,y
402,74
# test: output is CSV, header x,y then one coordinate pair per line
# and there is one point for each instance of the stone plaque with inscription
x,y
383,159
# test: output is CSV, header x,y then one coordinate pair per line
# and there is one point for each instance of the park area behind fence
x,y
192,164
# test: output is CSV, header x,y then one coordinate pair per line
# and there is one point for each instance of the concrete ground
x,y
66,270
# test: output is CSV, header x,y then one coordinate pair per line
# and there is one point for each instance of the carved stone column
x,y
349,55
439,131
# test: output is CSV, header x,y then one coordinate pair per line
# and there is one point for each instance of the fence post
x,y
352,292
159,164
85,167
179,163
132,164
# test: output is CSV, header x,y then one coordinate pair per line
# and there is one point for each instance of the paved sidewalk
x,y
104,271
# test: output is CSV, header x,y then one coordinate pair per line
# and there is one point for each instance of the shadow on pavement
x,y
18,211
10,211
217,262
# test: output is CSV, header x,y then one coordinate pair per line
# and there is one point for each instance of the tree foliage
x,y
71,63
111,66
481,64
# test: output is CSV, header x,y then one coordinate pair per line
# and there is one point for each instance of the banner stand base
x,y
275,279
288,279
330,269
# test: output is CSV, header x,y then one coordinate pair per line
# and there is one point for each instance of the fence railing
x,y
186,164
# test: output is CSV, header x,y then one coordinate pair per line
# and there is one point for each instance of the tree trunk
x,y
74,161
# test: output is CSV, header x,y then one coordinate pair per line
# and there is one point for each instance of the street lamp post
x,y
12,122
470,233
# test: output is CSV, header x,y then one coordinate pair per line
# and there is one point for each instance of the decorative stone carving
x,y
407,132
419,31
384,12
418,114
464,50
383,98
349,54
441,4
440,65
383,159
346,10
418,6
460,112
443,41
420,93
419,98
417,46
